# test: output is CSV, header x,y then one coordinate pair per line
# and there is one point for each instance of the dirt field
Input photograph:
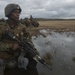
x,y
58,26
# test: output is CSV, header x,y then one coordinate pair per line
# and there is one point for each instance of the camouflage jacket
x,y
19,31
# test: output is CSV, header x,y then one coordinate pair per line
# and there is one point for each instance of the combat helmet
x,y
10,7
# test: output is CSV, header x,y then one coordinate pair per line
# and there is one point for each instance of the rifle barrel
x,y
38,58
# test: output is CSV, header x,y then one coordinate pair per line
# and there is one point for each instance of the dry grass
x,y
57,24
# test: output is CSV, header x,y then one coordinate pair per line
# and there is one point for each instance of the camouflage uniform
x,y
9,58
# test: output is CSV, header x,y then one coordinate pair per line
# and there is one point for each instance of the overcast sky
x,y
42,8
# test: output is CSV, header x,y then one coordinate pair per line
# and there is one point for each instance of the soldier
x,y
10,51
27,22
33,22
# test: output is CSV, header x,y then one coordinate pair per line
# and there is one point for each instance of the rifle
x,y
28,47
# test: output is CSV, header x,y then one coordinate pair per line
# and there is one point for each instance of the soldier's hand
x,y
13,46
